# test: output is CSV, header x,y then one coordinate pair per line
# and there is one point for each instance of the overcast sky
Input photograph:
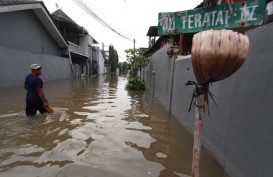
x,y
131,18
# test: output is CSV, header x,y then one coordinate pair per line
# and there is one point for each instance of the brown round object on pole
x,y
217,54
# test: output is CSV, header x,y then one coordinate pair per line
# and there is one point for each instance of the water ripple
x,y
97,129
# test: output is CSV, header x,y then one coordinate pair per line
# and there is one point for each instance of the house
x,y
84,55
29,35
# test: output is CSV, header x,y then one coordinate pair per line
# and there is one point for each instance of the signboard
x,y
223,16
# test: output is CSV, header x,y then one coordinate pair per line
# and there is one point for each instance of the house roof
x,y
152,31
156,46
9,2
40,11
62,17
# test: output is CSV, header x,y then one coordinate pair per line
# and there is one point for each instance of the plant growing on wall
x,y
136,60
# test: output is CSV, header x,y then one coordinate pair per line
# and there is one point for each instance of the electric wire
x,y
86,8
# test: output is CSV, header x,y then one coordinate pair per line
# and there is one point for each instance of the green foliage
x,y
136,59
135,84
129,66
113,58
123,67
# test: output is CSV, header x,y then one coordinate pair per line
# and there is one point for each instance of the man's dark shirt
x,y
33,84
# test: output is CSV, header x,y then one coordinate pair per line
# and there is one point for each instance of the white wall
x,y
101,64
14,66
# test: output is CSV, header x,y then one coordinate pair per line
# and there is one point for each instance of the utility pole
x,y
134,43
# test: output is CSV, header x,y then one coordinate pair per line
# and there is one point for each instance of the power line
x,y
100,20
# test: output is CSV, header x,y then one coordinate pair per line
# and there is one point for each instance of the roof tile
x,y
11,2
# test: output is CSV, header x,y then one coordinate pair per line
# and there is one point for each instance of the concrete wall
x,y
24,41
101,68
158,76
22,30
14,66
239,130
85,42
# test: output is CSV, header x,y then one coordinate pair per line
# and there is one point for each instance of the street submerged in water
x,y
98,129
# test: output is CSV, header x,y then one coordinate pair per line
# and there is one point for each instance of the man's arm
x,y
42,96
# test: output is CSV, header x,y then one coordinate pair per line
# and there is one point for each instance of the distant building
x,y
82,52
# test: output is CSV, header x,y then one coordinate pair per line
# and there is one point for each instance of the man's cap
x,y
35,66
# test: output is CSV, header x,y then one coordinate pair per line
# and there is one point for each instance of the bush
x,y
135,84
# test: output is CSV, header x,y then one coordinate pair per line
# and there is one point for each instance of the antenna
x,y
58,6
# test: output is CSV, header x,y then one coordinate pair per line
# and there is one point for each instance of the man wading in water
x,y
35,98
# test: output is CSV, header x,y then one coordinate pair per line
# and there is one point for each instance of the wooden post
x,y
206,63
198,126
181,44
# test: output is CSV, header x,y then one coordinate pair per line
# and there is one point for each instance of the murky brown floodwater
x,y
98,130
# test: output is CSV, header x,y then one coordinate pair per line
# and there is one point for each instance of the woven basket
x,y
217,54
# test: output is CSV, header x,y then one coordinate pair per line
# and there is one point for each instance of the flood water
x,y
98,129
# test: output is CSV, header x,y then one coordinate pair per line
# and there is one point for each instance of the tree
x,y
136,59
123,67
113,58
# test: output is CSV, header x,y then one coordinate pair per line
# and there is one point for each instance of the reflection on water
x,y
98,129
